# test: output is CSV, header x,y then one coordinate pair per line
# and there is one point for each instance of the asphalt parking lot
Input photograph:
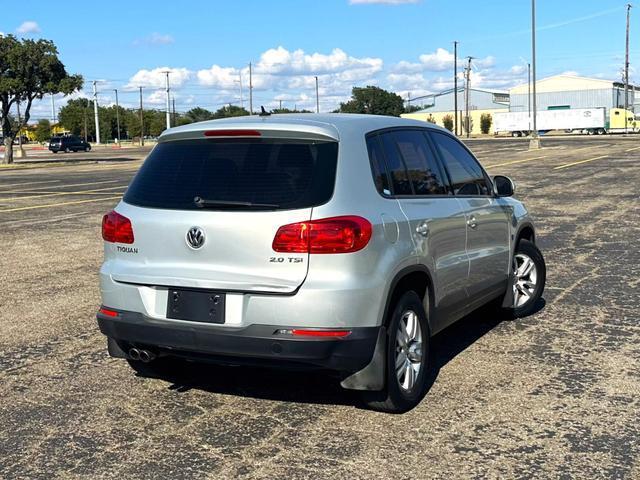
x,y
555,395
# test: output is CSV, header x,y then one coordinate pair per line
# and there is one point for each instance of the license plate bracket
x,y
195,305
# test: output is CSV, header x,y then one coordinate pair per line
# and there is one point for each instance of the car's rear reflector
x,y
345,234
232,133
108,312
320,333
116,228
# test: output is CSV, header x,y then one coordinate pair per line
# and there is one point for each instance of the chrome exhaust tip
x,y
146,356
134,354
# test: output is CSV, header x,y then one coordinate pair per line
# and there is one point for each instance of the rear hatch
x,y
236,193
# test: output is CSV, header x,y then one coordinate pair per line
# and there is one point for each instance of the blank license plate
x,y
196,306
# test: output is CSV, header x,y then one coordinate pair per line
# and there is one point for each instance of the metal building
x,y
440,105
569,91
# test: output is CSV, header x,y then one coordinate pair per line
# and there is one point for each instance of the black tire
x,y
87,149
529,249
67,150
393,398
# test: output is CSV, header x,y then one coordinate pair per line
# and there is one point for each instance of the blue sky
x,y
404,46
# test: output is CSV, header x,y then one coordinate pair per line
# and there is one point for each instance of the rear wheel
x,y
407,358
87,149
529,277
67,150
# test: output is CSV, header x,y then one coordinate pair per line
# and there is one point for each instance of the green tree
x,y
288,110
412,108
196,114
485,122
29,70
430,119
230,111
43,130
373,100
447,122
73,115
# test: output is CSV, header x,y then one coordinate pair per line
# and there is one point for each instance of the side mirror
x,y
503,186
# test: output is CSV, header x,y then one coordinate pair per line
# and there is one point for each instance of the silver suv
x,y
340,242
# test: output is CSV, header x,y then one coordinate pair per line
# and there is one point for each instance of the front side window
x,y
467,177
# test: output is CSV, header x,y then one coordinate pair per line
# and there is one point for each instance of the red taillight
x,y
330,235
116,228
321,333
108,312
232,133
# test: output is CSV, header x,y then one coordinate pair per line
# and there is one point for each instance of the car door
x,y
488,232
435,217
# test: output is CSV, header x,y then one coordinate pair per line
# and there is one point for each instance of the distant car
x,y
68,144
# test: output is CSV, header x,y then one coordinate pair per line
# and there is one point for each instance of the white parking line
x,y
2,185
62,186
15,223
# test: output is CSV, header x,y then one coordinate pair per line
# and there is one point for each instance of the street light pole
x,y
455,86
317,98
117,116
95,111
534,144
141,121
626,74
529,92
467,120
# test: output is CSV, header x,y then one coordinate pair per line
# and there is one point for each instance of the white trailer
x,y
584,120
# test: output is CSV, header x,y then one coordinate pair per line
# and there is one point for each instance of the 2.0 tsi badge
x,y
195,237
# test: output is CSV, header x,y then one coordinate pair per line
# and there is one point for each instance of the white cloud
x,y
219,77
28,27
382,2
156,77
438,61
155,39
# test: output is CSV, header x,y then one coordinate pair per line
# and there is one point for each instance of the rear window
x,y
240,174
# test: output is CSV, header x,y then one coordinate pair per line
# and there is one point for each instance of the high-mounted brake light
x,y
232,133
116,228
330,235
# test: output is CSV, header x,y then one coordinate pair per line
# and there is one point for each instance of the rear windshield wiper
x,y
206,203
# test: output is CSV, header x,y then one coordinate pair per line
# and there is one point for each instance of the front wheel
x,y
529,277
407,358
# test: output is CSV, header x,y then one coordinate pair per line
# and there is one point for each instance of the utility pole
x,y
529,92
409,101
95,111
317,97
626,74
141,121
53,110
534,144
467,120
168,100
455,86
280,105
117,116
173,99
240,81
250,91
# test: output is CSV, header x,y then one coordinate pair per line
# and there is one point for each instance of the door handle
x,y
472,222
423,229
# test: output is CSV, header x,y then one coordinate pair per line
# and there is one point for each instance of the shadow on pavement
x,y
316,387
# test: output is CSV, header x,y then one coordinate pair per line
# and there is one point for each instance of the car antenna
x,y
263,112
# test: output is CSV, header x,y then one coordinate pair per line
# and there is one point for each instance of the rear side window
x,y
395,166
238,173
422,168
467,177
378,165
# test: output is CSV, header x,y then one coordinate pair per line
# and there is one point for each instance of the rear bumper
x,y
255,344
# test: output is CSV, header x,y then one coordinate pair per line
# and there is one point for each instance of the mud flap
x,y
371,377
114,349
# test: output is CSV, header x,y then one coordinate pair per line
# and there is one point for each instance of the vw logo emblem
x,y
195,237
